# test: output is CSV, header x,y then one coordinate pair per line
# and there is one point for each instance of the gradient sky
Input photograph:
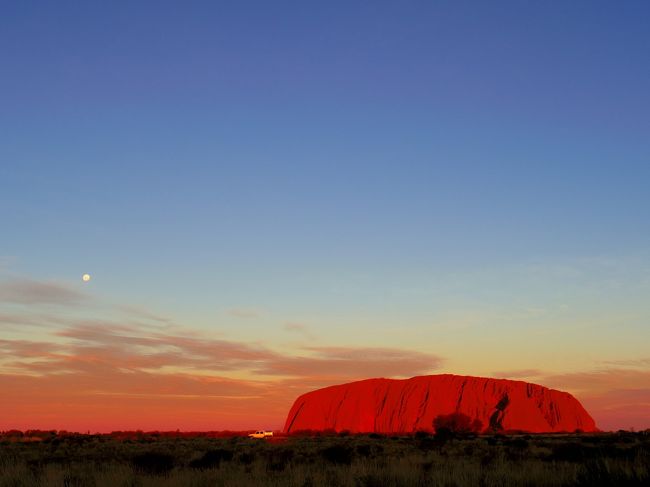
x,y
276,196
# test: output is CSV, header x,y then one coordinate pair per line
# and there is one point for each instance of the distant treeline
x,y
120,435
40,435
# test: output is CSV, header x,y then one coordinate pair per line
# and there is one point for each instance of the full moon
x,y
85,277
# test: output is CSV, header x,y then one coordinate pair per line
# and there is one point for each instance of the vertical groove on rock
x,y
423,407
460,395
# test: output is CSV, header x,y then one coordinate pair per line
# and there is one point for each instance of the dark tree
x,y
456,424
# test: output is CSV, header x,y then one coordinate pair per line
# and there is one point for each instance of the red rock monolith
x,y
410,405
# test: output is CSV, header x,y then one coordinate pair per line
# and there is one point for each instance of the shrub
x,y
421,434
456,424
576,452
279,459
153,463
339,454
364,450
520,443
246,458
212,459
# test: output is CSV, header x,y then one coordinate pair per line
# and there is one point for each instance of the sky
x,y
272,197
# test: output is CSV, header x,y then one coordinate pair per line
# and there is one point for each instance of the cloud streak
x,y
92,344
244,313
345,362
616,397
518,374
30,292
134,377
144,372
299,328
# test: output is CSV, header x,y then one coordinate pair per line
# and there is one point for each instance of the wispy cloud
x,y
150,372
518,374
100,363
348,362
639,362
160,349
244,313
600,380
620,408
616,394
616,397
20,320
29,292
102,344
105,399
137,311
6,261
131,376
299,329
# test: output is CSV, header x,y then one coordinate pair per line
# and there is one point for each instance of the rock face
x,y
409,405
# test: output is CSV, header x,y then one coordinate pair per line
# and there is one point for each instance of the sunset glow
x,y
207,212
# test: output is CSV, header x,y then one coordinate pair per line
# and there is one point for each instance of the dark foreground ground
x,y
616,459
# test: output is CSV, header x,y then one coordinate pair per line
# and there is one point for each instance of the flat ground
x,y
616,459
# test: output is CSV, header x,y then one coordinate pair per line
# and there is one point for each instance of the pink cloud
x,y
353,362
620,409
617,398
111,399
98,374
167,380
601,380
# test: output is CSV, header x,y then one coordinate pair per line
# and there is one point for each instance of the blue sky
x,y
393,173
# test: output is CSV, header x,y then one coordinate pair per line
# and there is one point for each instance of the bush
x,y
279,459
570,452
153,463
364,450
339,454
212,459
456,424
246,458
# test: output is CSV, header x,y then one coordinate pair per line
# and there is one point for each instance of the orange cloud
x,y
620,409
601,380
105,400
617,398
145,373
100,376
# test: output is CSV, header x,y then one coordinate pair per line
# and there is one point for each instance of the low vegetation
x,y
140,460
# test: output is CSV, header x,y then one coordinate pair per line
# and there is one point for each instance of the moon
x,y
85,277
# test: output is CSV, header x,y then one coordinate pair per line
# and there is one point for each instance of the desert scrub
x,y
347,461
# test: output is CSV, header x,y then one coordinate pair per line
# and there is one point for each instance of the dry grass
x,y
354,461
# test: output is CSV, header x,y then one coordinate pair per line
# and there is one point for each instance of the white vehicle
x,y
261,434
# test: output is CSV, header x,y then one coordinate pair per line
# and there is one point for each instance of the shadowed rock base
x,y
410,405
